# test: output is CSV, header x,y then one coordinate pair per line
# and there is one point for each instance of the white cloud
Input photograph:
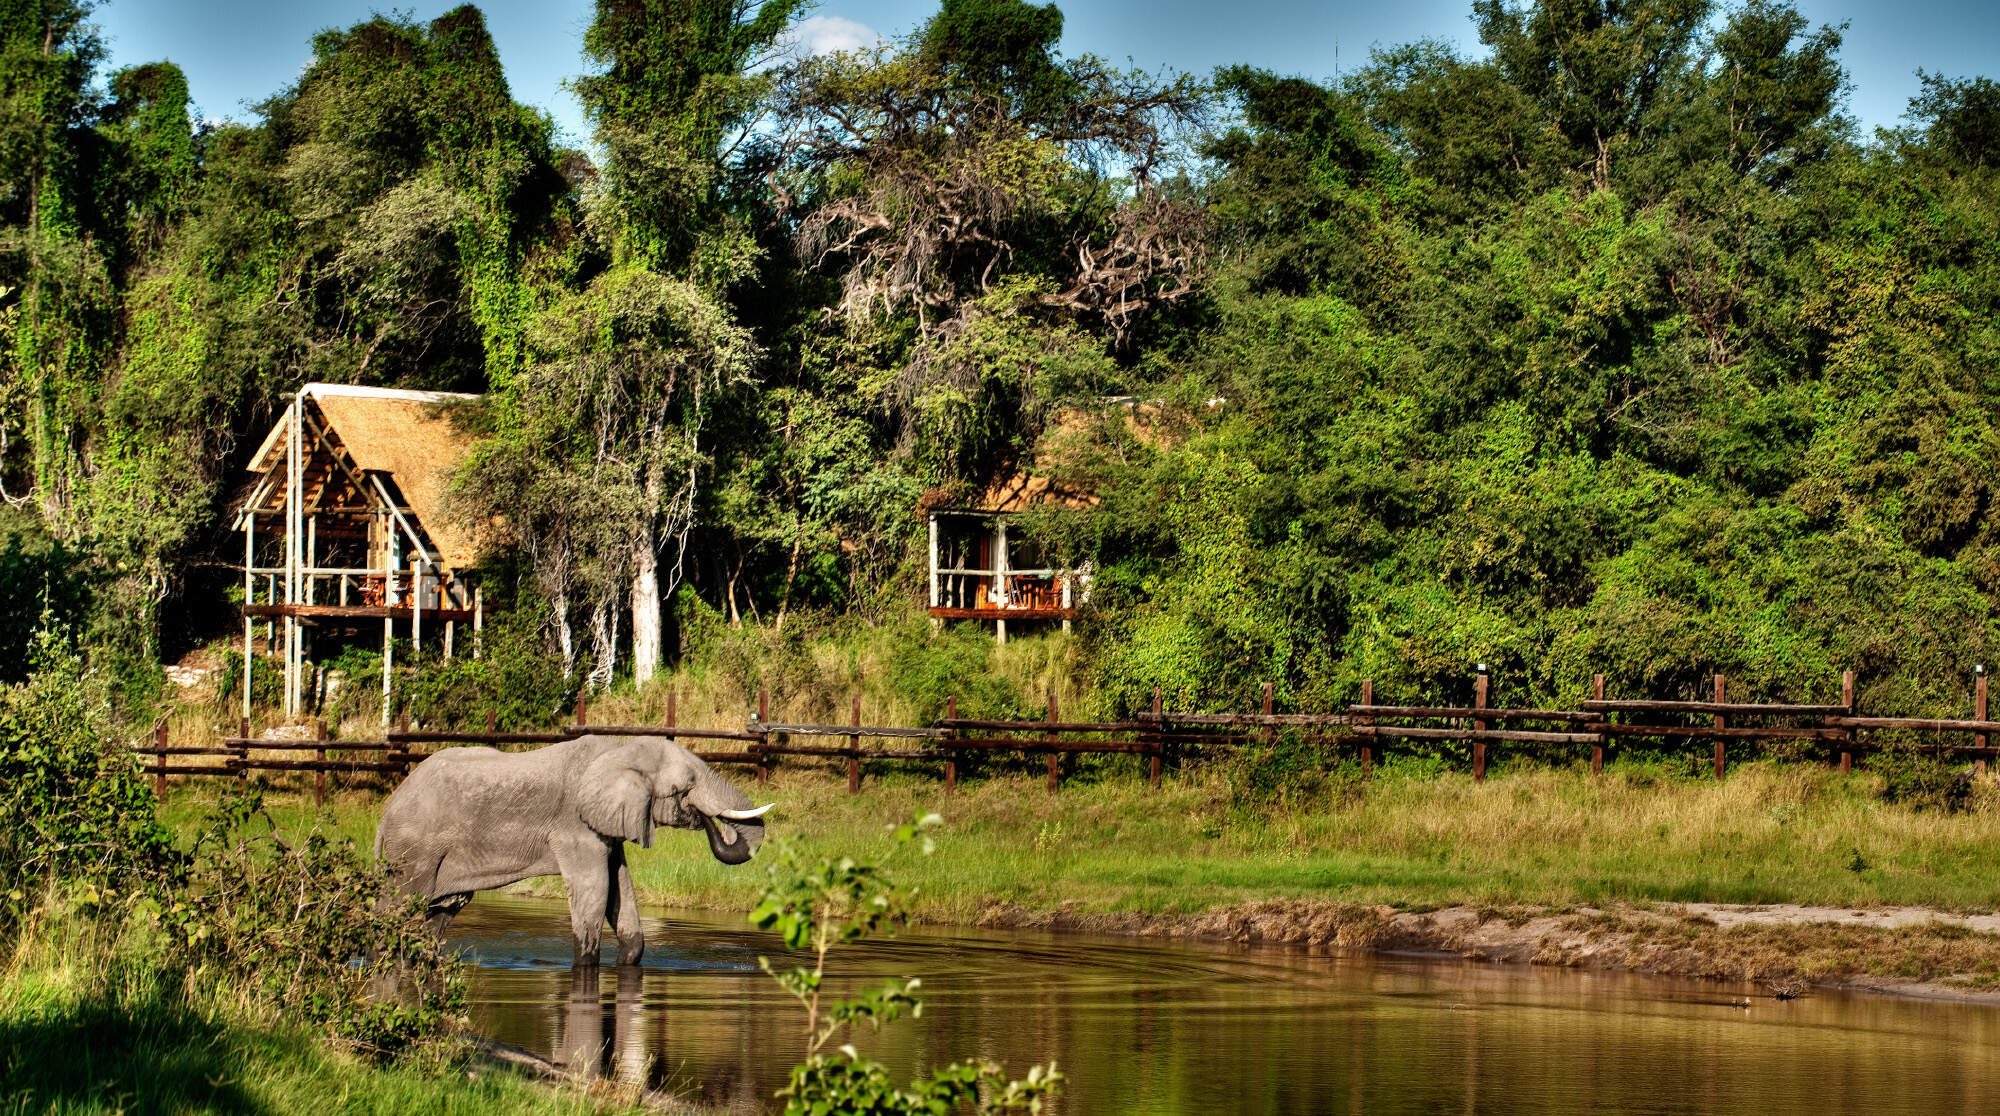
x,y
827,34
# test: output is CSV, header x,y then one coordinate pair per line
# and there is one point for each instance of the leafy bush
x,y
311,928
1923,780
514,677
73,804
820,905
1292,770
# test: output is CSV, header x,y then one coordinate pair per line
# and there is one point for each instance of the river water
x,y
1150,1026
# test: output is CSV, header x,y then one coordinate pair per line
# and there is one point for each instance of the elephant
x,y
473,819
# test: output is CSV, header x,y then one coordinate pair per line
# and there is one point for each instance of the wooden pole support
x,y
1270,732
951,758
1367,751
1597,749
1159,729
492,722
1721,721
854,751
1847,699
1055,758
1479,687
319,773
582,709
242,754
673,710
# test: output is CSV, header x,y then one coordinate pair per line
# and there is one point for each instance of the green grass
x,y
88,1024
1530,835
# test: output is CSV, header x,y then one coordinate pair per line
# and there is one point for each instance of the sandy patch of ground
x,y
1785,948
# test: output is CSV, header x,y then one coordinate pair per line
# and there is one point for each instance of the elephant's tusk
x,y
745,815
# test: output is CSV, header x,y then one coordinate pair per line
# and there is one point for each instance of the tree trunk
x,y
645,609
604,644
565,638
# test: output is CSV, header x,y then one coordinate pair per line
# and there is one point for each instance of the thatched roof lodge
x,y
345,522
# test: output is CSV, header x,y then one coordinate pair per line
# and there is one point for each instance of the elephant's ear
x,y
615,798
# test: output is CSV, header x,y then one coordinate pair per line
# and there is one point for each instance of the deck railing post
x,y
1367,742
1479,687
1158,741
1847,699
1597,749
854,750
951,757
1721,721
1055,757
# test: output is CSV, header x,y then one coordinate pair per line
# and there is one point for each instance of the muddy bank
x,y
1786,949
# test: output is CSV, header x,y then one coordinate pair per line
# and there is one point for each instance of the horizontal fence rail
x,y
1362,731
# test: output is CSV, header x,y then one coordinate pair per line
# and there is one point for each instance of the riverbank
x,y
1639,868
90,1023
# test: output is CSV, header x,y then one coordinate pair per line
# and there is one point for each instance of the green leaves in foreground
x,y
818,905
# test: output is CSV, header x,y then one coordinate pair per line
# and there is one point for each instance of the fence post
x,y
1055,757
1367,742
582,709
673,710
1479,685
1597,749
1270,732
1721,688
492,723
242,756
950,756
763,736
1158,741
1847,699
160,759
319,773
854,750
1979,714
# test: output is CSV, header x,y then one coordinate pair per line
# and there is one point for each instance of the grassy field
x,y
1528,836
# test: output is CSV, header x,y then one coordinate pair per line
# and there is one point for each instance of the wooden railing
x,y
1366,727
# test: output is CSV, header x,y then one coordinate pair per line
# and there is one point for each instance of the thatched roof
x,y
1073,429
404,434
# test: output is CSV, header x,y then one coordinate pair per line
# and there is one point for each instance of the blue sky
x,y
237,52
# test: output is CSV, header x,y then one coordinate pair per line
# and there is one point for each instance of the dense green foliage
x,y
1612,348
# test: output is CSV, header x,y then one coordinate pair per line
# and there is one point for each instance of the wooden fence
x,y
1834,733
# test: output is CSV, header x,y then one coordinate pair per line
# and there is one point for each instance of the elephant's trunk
x,y
731,840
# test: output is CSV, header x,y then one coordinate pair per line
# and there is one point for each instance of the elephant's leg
x,y
443,909
623,911
587,873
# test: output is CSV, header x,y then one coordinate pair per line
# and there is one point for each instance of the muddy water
x,y
1168,1027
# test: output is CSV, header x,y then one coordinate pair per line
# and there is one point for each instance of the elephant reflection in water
x,y
593,1046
